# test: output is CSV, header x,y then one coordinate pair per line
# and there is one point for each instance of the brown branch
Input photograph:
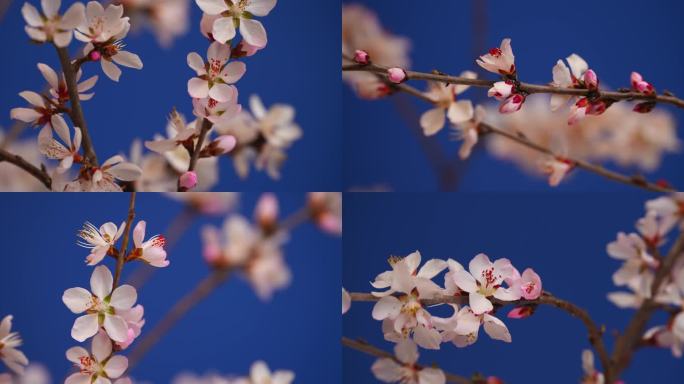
x,y
594,330
628,342
636,181
76,114
121,257
369,349
206,126
524,87
34,171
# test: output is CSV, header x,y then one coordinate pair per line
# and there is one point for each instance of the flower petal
x,y
101,282
253,32
85,327
77,299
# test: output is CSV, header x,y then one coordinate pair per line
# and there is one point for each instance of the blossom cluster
x,y
13,358
473,294
259,374
255,247
109,314
641,258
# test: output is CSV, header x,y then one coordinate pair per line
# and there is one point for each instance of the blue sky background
x,y
561,236
298,67
298,330
615,37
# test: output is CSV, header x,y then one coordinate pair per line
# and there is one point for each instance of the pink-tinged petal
x,y
461,111
532,285
479,265
387,307
27,115
116,366
233,72
50,7
465,281
253,32
431,376
432,121
35,34
116,328
96,255
198,88
65,164
60,126
49,74
126,171
73,17
101,282
223,29
496,329
33,98
406,351
260,7
74,354
110,69
101,346
561,75
519,312
387,370
139,233
128,59
222,92
346,301
212,7
123,297
156,257
432,268
87,84
63,39
479,303
196,62
161,146
467,322
427,338
6,326
78,378
412,261
77,138
678,325
577,65
78,300
85,327
31,15
507,294
470,139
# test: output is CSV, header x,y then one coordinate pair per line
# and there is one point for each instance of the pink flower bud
x,y
95,55
590,79
512,104
266,212
188,180
520,312
361,57
531,285
225,143
396,75
639,85
597,107
501,90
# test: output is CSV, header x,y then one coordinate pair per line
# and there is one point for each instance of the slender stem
x,y
76,111
189,301
34,171
524,87
121,257
628,342
636,181
369,349
299,217
173,233
595,331
206,126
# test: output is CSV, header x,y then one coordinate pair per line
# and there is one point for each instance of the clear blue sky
x,y
561,236
299,67
615,37
298,330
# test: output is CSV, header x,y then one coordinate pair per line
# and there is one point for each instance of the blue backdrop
x,y
615,37
298,67
298,329
563,237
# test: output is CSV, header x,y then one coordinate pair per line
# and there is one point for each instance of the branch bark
x,y
76,114
121,257
40,174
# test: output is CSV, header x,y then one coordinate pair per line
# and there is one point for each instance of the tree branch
x,y
206,126
121,257
34,171
636,181
595,332
369,349
524,87
76,114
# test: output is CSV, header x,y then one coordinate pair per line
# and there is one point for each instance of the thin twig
x,y
627,343
206,126
76,114
369,349
121,257
636,181
34,171
524,87
595,331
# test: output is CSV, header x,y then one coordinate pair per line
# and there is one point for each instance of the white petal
x,y
87,84
233,72
253,32
387,370
116,366
431,376
427,338
33,98
49,74
212,7
128,59
223,29
221,92
479,303
63,39
110,69
74,354
116,328
124,297
198,88
77,299
101,282
31,15
196,62
496,329
85,327
50,7
260,7
35,34
431,268
461,111
59,125
26,115
125,171
432,121
73,17
406,351
577,65
101,346
465,281
386,307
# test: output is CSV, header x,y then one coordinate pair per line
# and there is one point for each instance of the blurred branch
x,y
595,331
4,7
636,181
38,173
524,87
369,349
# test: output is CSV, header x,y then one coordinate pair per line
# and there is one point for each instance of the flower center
x,y
496,52
87,365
